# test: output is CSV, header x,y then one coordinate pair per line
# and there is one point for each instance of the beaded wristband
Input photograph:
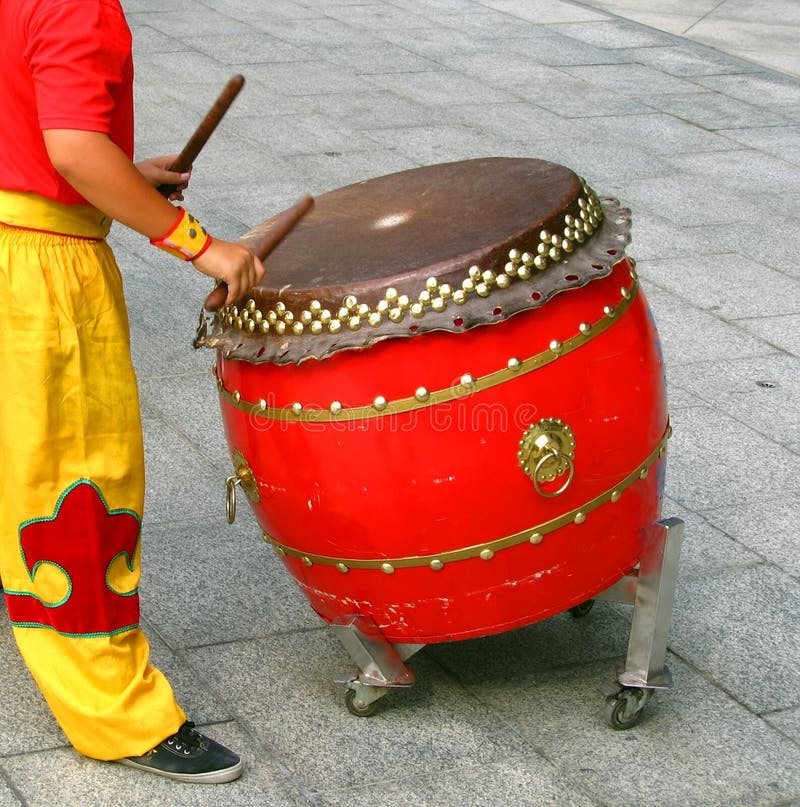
x,y
186,239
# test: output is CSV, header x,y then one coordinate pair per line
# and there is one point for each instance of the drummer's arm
x,y
102,173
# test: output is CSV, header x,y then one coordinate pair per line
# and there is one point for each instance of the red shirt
x,y
66,65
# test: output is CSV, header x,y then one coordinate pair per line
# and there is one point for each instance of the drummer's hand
x,y
156,172
233,265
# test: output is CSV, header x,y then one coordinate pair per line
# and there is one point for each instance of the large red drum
x,y
445,402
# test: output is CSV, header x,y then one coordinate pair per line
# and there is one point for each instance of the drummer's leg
x,y
71,496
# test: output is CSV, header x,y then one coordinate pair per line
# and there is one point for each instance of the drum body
x,y
457,483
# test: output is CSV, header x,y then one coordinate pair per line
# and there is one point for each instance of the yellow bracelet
x,y
186,239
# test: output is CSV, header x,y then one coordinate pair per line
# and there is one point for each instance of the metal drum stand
x,y
650,588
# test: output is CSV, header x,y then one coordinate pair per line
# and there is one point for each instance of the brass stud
x,y
503,281
335,407
280,328
281,551
317,327
251,326
306,561
625,292
315,307
438,304
280,308
445,291
474,272
556,346
417,311
382,307
486,554
514,255
334,326
395,315
374,319
262,404
350,302
609,311
264,326
482,289
585,328
527,258
459,297
540,262
513,364
297,408
468,285
580,517
616,496
391,295
298,328
536,538
237,396
524,273
380,403
325,316
342,568
363,310
467,380
306,317
387,568
424,298
436,565
422,394
403,302
643,473
431,284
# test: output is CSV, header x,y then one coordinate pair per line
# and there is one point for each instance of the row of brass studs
x,y
552,247
486,551
422,396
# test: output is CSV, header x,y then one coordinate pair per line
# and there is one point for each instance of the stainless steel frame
x,y
650,588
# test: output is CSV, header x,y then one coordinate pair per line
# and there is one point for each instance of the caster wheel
x,y
623,710
355,708
581,610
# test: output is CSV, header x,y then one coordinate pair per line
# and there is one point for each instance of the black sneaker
x,y
189,756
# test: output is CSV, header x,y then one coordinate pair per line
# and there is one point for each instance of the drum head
x,y
449,246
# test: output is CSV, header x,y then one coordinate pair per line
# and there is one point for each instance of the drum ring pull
x,y
553,454
230,496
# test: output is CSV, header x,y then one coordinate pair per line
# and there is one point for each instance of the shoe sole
x,y
208,778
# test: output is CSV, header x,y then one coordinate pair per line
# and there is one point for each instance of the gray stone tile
x,y
329,171
505,68
709,749
573,97
315,33
253,10
561,641
526,780
779,141
781,331
654,237
556,49
760,393
656,133
378,109
189,403
199,699
371,56
376,17
687,61
438,88
64,777
7,796
424,145
633,79
688,335
740,627
714,111
247,49
707,550
706,466
768,527
285,696
181,481
27,724
617,33
767,89
775,245
730,285
787,721
213,583
545,12
188,23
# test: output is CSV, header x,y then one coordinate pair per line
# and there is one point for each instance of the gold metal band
x,y
423,397
486,551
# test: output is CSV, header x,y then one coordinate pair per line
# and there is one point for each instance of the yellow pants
x,y
72,480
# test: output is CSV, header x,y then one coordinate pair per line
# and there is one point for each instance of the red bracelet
x,y
186,239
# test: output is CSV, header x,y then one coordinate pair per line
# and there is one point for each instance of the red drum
x,y
446,402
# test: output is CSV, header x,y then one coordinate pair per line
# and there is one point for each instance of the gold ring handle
x,y
554,454
230,496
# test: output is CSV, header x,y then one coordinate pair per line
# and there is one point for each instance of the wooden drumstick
x,y
183,162
282,225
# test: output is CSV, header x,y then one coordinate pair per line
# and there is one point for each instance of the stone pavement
x,y
704,148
